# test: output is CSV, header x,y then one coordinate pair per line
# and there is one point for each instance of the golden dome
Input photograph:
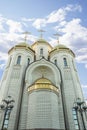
x,y
41,41
43,80
21,45
62,47
43,84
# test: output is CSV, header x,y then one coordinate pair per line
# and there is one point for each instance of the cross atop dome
x,y
26,33
41,33
57,35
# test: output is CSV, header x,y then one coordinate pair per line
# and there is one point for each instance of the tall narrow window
x,y
41,52
6,120
65,61
28,61
55,61
75,117
19,60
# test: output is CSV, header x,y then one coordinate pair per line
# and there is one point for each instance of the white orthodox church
x,y
44,83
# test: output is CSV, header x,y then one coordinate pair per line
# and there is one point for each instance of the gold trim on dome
x,y
21,45
41,41
61,48
43,84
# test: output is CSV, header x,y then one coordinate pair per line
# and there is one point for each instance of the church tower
x,y
44,83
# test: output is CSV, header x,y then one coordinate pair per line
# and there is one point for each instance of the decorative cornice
x,y
42,86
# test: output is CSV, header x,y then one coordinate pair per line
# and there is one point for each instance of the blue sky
x,y
67,17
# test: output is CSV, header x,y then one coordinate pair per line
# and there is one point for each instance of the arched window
x,y
55,61
41,52
19,60
28,61
65,61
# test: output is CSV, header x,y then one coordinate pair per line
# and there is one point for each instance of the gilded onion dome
x,y
41,41
63,48
21,45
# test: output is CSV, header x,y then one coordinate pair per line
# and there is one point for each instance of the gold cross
x,y
41,33
26,33
57,35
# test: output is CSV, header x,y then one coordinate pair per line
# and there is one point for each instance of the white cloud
x,y
7,40
14,26
84,86
32,38
2,66
52,41
1,27
82,58
74,29
12,37
55,16
60,14
74,32
73,8
39,23
27,19
3,56
75,36
82,50
86,66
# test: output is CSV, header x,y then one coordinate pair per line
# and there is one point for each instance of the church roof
x,y
42,41
21,45
61,47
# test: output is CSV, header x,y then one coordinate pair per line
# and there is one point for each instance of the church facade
x,y
44,83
